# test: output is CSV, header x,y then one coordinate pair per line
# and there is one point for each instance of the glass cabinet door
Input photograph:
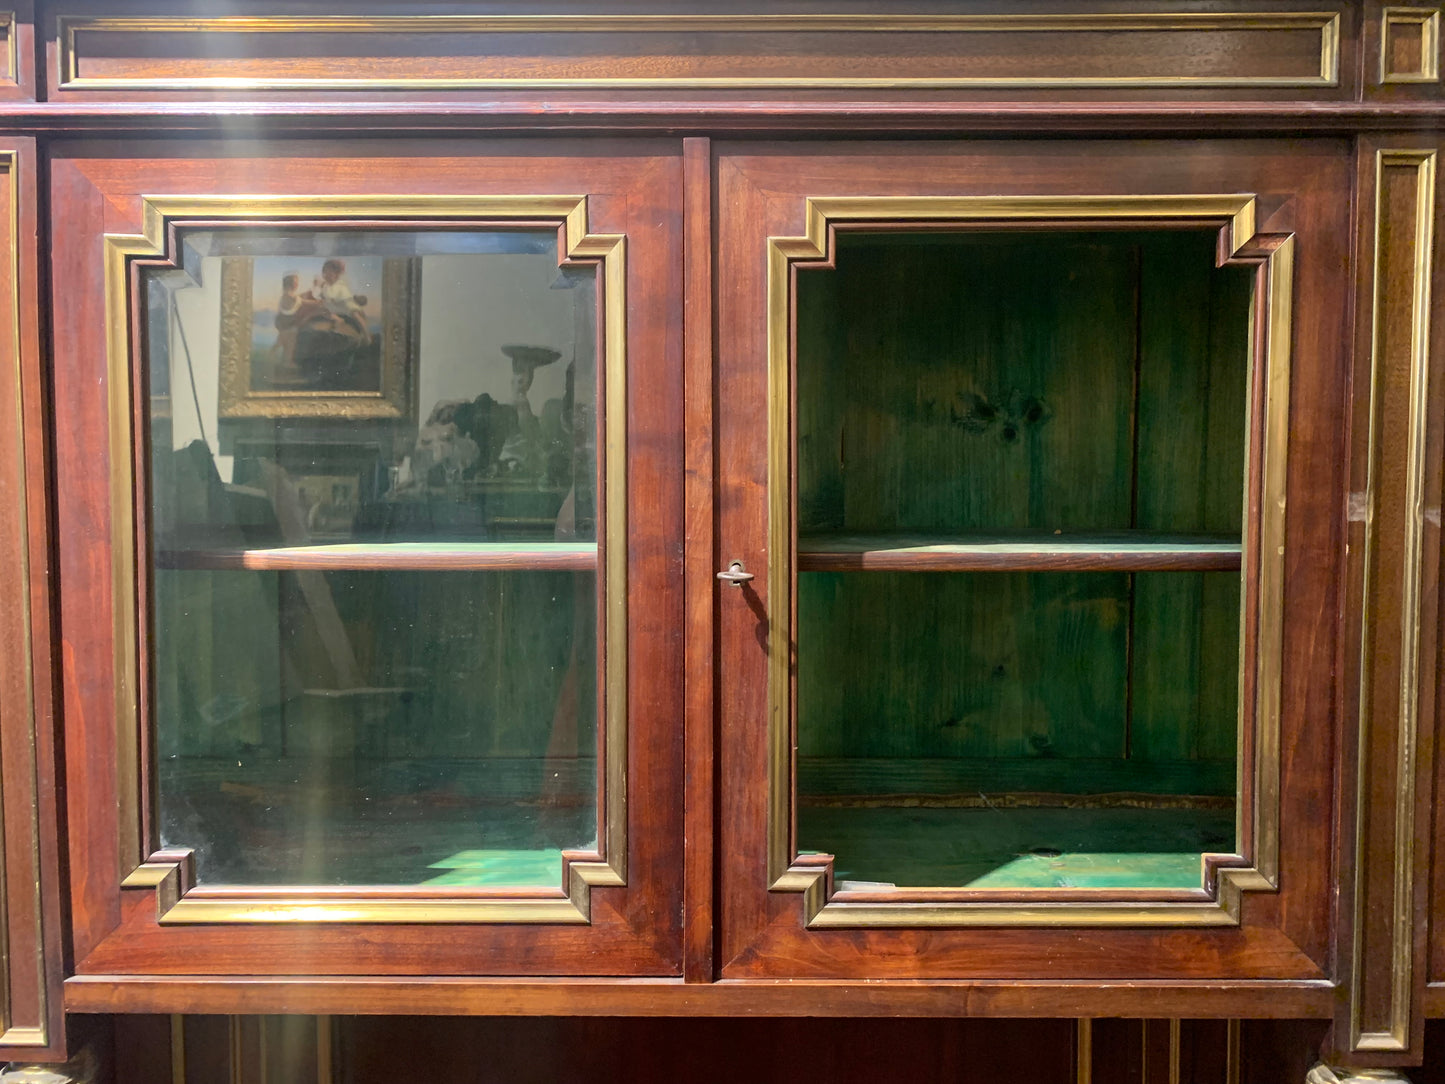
x,y
1009,674
1020,469
374,564
375,588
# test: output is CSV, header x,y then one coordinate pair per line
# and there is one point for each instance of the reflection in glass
x,y
373,387
373,514
366,727
1047,723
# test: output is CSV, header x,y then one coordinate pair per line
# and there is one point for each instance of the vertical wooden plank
x,y
1160,1052
988,383
1190,477
31,1020
960,664
1169,468
147,1048
981,382
1223,501
1393,614
701,557
206,1050
1118,1051
1204,1051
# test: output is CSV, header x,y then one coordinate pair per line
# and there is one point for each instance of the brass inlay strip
x,y
1272,313
237,1050
178,1049
1084,1051
325,1052
21,574
37,1035
137,867
1325,23
207,912
1407,646
1428,21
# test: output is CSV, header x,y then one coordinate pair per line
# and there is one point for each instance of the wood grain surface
x,y
1282,935
634,189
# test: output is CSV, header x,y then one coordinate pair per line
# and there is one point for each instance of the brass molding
x,y
169,872
325,1050
1084,1051
1325,23
10,1035
237,1048
178,1049
1256,869
1403,644
1428,21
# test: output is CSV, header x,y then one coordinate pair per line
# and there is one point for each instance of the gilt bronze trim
x,y
1325,23
168,872
1254,870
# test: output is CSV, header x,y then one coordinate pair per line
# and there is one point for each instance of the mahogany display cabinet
x,y
711,511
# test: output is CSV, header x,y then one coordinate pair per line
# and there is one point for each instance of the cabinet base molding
x,y
366,995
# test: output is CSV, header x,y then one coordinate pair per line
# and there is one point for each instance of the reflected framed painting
x,y
318,337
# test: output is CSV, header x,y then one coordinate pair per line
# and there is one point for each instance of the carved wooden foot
x,y
1324,1074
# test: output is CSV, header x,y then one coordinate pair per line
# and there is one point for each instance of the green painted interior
x,y
1027,385
361,727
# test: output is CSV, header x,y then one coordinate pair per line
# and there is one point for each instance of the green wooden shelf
x,y
391,557
1032,551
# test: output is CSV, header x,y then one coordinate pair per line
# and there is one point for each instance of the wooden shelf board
x,y
1133,551
391,557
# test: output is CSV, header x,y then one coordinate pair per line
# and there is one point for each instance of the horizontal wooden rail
x,y
391,557
357,994
1131,552
1170,51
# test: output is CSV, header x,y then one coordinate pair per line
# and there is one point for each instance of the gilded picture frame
x,y
295,344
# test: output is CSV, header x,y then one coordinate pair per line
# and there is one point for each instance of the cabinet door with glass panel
x,y
347,543
1031,452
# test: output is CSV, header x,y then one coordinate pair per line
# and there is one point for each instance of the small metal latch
x,y
736,574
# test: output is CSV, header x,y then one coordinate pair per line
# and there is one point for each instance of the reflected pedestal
x,y
1324,1074
82,1068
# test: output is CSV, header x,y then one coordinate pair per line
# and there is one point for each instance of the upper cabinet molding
x,y
1158,50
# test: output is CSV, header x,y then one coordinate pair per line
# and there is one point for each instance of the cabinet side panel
x,y
1392,603
33,968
